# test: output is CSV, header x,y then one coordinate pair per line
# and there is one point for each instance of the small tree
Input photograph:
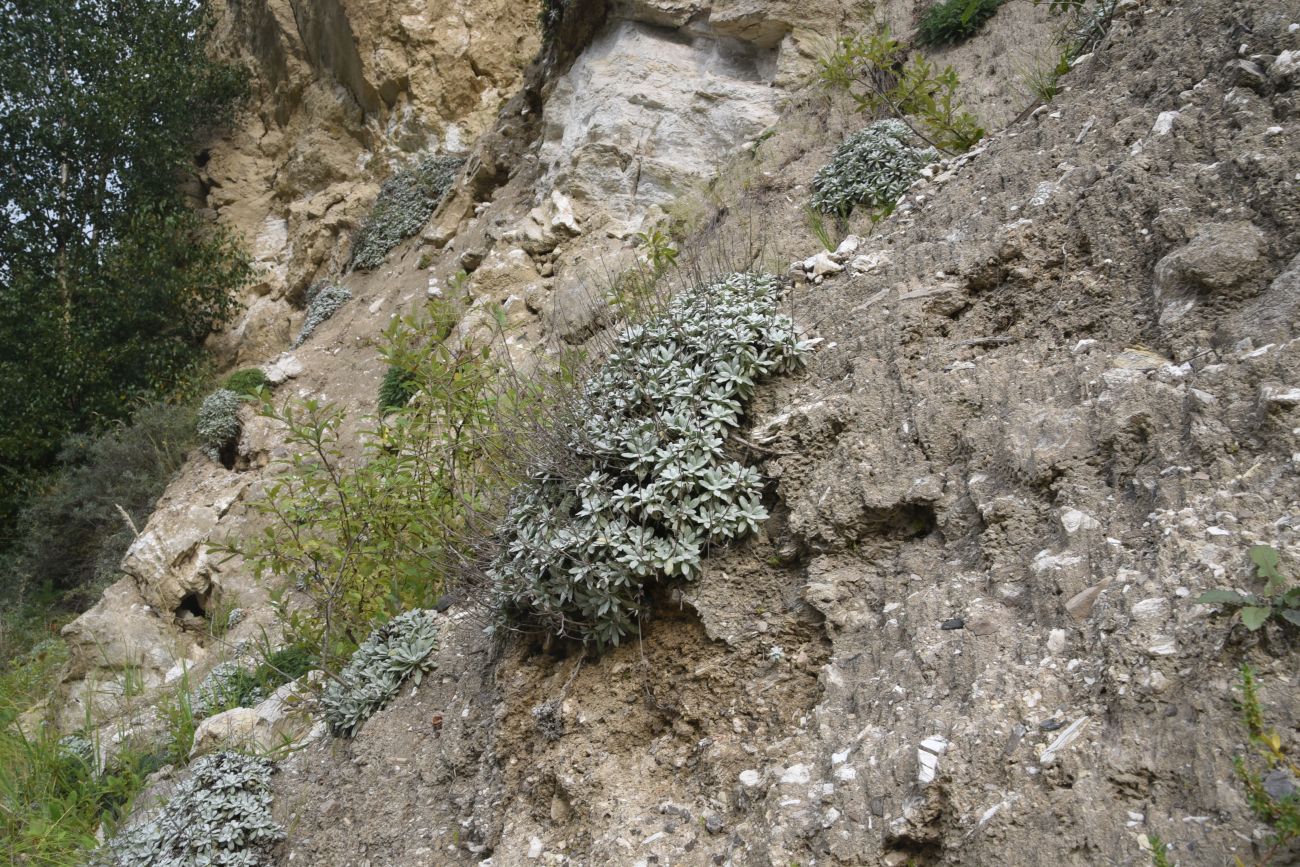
x,y
108,283
884,81
362,540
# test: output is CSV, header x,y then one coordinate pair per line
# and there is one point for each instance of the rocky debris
x,y
281,723
1218,258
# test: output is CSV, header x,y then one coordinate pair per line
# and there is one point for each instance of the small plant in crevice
x,y
1043,81
643,485
218,423
872,168
399,649
405,202
880,76
219,816
817,225
1159,851
398,387
1090,21
948,22
1270,776
247,382
323,301
549,17
1275,600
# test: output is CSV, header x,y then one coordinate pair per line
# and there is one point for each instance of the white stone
x,y
847,247
1056,640
796,775
822,264
1155,608
750,778
1164,123
1074,520
868,262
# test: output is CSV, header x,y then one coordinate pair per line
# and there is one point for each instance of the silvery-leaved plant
x,y
401,648
220,816
216,691
323,301
405,202
655,488
873,168
218,421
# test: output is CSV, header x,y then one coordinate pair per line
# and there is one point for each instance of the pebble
x,y
955,623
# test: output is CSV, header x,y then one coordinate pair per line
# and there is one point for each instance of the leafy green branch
x,y
1276,599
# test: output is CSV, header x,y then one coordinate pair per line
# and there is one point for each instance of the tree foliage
x,y
361,542
108,283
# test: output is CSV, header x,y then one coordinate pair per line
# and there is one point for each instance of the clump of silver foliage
x,y
405,202
213,694
654,487
323,301
399,649
873,168
218,421
219,816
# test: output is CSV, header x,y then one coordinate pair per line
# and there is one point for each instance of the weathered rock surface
x,y
1056,401
344,90
967,635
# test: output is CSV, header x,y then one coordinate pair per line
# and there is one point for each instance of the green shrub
x,y
219,816
397,389
872,169
405,202
644,486
361,543
948,22
247,382
395,651
323,301
218,423
877,73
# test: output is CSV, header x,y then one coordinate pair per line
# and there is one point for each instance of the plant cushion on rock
x,y
323,300
218,422
399,649
220,816
647,487
873,168
405,202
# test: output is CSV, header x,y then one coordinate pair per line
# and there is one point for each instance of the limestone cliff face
x,y
344,91
1056,401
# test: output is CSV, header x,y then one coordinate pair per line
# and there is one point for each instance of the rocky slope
x,y
1057,399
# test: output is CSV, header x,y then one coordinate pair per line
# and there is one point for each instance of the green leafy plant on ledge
x,y
640,486
884,80
1275,600
1271,779
951,21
